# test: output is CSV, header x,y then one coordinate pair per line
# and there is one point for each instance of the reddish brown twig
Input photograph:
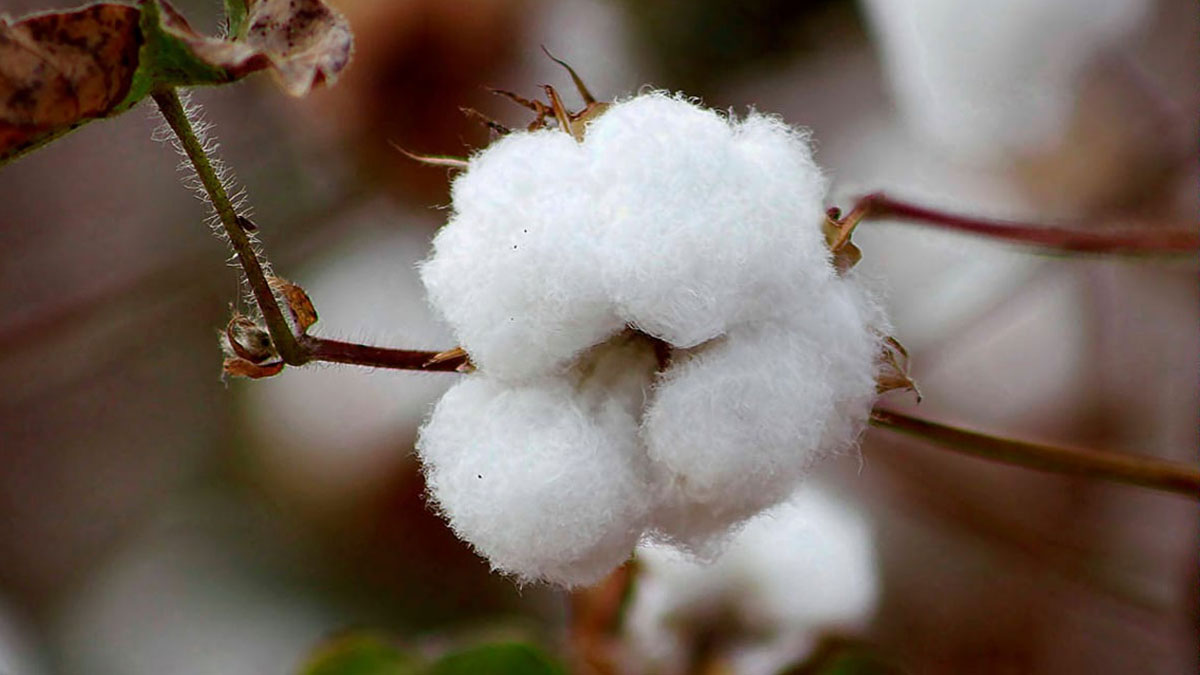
x,y
336,351
879,206
595,619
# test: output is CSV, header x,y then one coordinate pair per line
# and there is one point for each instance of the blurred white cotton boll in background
x,y
180,601
985,80
795,571
330,431
19,654
584,32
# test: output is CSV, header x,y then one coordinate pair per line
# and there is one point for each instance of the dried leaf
x,y
60,69
893,372
298,302
452,353
837,232
306,41
247,340
235,367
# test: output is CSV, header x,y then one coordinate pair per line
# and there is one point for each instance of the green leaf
x,y
497,659
235,18
168,56
360,654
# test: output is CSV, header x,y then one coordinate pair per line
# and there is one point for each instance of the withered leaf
x,y
298,302
893,372
235,367
303,42
247,340
60,69
306,41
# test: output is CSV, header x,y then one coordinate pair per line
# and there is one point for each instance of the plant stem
x,y
595,619
281,333
1111,241
1149,472
336,351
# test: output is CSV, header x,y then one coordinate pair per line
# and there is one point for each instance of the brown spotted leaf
x,y
60,69
306,41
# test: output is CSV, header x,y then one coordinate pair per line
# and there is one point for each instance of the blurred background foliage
x,y
155,520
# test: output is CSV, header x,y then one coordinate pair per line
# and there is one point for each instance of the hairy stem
x,y
1149,472
1067,240
281,333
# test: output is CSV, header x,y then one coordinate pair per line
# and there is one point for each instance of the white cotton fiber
x,y
667,216
708,221
541,485
985,80
735,425
663,346
804,567
515,270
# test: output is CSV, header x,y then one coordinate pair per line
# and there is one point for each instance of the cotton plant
x,y
665,332
661,330
798,572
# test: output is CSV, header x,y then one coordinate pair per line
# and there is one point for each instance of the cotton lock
x,y
663,346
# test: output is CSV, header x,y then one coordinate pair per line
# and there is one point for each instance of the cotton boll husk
x,y
734,425
705,219
801,568
986,81
514,271
546,483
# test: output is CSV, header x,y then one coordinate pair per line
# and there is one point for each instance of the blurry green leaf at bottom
x,y
360,655
497,659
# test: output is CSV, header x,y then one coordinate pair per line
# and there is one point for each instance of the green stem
x,y
281,333
1149,472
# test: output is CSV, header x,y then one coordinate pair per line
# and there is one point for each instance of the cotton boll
x,y
705,219
987,80
815,562
802,568
541,485
736,424
514,271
